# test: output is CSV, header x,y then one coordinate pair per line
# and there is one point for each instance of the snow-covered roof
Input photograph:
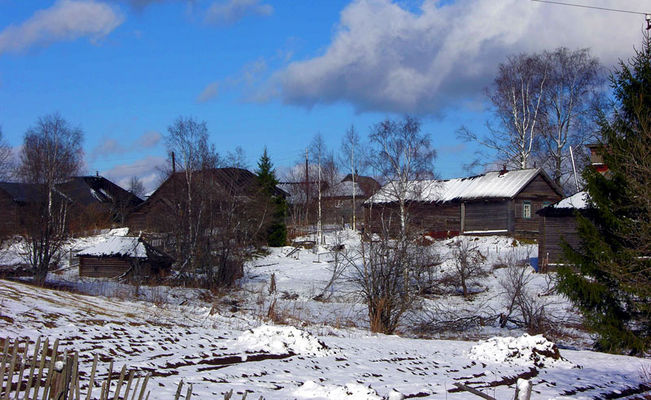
x,y
495,184
117,246
577,201
344,189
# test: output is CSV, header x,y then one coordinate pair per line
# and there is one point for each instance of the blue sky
x,y
274,73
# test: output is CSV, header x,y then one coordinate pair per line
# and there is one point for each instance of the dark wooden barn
x,y
122,256
558,225
499,202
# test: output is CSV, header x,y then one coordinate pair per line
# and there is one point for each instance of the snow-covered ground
x,y
222,342
219,351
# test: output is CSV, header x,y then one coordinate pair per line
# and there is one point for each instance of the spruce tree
x,y
277,230
608,275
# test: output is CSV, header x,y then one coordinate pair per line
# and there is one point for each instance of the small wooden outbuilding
x,y
558,225
122,256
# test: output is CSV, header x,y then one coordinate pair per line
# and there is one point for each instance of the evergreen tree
x,y
277,230
608,276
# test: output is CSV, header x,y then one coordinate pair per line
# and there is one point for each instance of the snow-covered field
x,y
225,342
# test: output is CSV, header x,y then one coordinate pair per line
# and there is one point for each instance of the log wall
x,y
555,229
486,216
103,267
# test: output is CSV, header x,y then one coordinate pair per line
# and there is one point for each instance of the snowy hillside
x,y
219,351
229,340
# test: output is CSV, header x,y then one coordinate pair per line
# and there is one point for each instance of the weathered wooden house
x,y
90,202
558,225
97,202
222,184
338,199
499,202
16,204
122,256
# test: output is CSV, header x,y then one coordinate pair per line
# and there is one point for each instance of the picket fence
x,y
45,373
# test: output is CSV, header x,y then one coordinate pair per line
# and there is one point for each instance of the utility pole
x,y
307,189
318,225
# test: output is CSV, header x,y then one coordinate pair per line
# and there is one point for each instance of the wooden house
x,y
499,202
228,184
558,225
122,256
338,199
97,202
16,204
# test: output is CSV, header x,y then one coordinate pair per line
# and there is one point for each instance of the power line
x,y
593,7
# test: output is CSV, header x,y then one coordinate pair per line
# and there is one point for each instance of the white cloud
x,y
384,57
209,92
110,146
248,79
149,139
230,11
147,169
65,20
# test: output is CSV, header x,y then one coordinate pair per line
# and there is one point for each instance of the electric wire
x,y
592,7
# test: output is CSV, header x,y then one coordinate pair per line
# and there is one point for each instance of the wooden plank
x,y
92,378
23,365
12,366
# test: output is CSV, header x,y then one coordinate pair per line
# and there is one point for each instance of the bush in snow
x,y
523,305
467,263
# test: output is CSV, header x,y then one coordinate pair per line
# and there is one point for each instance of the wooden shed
x,y
558,225
498,202
122,256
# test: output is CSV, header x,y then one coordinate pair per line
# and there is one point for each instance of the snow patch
x,y
117,246
351,391
577,201
282,340
525,350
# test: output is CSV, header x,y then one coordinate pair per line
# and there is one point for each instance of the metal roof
x,y
492,185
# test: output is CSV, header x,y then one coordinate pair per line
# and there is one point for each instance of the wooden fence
x,y
43,372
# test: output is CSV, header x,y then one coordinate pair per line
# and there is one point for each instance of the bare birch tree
x,y
390,272
401,154
51,153
318,150
187,139
517,99
575,84
349,148
136,187
6,167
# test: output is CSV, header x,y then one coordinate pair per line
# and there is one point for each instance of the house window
x,y
526,209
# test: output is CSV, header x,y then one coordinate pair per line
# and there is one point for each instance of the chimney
x,y
597,158
504,170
